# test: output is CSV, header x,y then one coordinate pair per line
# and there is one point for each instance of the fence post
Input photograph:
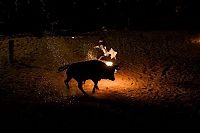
x,y
10,51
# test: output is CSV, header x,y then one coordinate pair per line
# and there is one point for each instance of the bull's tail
x,y
62,68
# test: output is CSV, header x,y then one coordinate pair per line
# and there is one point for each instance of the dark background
x,y
83,15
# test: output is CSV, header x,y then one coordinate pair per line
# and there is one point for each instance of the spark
x,y
100,41
90,55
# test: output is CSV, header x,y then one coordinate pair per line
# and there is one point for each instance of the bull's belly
x,y
78,78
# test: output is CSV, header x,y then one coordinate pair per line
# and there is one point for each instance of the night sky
x,y
47,15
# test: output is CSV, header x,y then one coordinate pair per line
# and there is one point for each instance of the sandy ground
x,y
156,88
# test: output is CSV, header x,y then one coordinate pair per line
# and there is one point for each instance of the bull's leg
x,y
67,81
95,86
81,88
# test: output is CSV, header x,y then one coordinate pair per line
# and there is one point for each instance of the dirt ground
x,y
156,89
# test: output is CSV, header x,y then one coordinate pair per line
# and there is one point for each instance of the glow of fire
x,y
110,53
108,63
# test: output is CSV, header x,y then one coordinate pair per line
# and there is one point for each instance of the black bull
x,y
93,69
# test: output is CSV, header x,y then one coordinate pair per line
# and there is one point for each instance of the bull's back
x,y
87,69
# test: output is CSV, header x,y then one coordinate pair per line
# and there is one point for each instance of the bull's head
x,y
111,71
116,66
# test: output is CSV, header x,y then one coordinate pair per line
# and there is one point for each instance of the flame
x,y
108,63
107,53
111,54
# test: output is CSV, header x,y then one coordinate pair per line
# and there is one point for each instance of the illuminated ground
x,y
157,86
